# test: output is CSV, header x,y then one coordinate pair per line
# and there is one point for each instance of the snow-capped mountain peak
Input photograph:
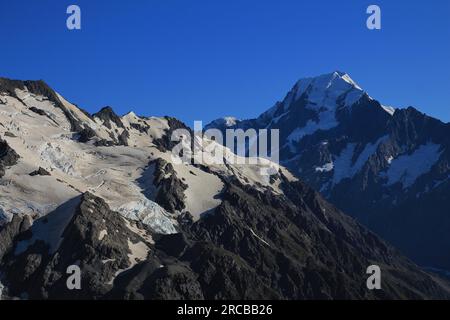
x,y
328,89
374,161
346,77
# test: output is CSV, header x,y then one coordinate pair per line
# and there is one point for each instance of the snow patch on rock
x,y
343,165
327,120
102,234
327,167
407,168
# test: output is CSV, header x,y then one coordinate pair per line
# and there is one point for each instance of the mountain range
x,y
102,192
387,167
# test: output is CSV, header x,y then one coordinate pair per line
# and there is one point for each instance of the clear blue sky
x,y
202,59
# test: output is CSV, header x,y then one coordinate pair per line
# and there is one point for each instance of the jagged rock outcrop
x,y
108,116
165,143
170,194
113,122
86,134
11,230
40,172
8,157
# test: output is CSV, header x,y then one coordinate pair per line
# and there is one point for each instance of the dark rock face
x,y
282,250
254,246
398,212
108,116
349,161
42,274
10,134
43,113
40,172
104,143
9,233
86,134
170,194
38,111
105,262
165,143
158,278
8,157
123,138
139,127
